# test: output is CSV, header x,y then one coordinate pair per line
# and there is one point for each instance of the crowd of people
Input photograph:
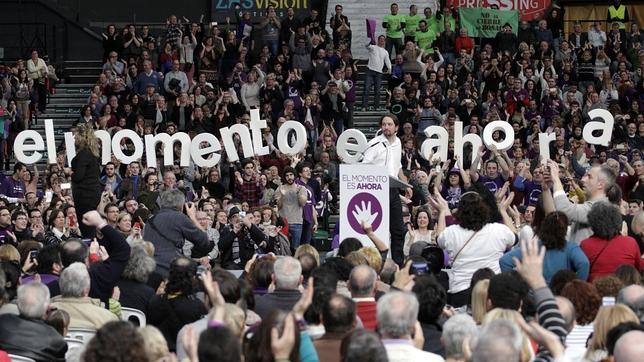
x,y
498,256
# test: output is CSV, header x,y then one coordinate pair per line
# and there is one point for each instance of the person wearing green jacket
x,y
411,23
446,16
425,37
394,24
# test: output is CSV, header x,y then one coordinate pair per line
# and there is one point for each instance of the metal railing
x,y
19,39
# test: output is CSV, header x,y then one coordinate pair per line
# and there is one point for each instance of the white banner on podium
x,y
364,196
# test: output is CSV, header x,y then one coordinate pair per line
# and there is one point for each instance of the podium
x,y
396,183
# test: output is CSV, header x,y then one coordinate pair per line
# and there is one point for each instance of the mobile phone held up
x,y
418,268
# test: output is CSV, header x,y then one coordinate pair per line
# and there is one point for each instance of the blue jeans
x,y
274,46
307,232
296,234
374,79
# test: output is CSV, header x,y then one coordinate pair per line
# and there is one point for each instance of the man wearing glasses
x,y
247,184
113,64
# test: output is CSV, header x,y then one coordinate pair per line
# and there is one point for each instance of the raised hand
x,y
506,201
305,301
283,345
366,227
481,151
402,279
500,193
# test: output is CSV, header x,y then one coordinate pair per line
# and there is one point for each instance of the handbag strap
x,y
463,247
598,255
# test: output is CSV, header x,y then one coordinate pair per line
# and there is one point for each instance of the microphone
x,y
373,143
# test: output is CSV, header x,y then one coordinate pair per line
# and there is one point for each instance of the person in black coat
x,y
27,334
86,186
103,274
333,107
135,292
239,240
177,306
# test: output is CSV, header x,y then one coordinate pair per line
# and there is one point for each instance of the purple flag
x,y
371,30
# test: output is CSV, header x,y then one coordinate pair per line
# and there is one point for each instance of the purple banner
x,y
371,30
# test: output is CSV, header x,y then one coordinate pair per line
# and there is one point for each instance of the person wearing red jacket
x,y
607,248
463,41
362,285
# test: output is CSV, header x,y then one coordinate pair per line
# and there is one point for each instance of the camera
x,y
242,214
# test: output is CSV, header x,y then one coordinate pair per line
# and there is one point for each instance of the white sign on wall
x,y
364,196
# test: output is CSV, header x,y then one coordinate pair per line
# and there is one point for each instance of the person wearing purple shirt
x,y
551,104
492,179
457,182
531,187
13,187
309,215
350,81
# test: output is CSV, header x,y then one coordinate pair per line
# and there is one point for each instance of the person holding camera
x,y
239,240
175,83
170,228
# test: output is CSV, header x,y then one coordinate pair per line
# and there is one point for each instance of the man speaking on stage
x,y
386,150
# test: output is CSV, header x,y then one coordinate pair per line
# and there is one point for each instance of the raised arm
x,y
519,181
377,242
575,212
474,174
505,169
439,203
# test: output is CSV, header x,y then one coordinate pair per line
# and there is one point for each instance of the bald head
x,y
362,281
630,347
633,297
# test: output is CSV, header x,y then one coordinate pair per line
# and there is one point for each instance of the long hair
x,y
607,318
85,139
552,230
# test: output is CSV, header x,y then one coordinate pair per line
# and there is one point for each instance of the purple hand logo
x,y
364,207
